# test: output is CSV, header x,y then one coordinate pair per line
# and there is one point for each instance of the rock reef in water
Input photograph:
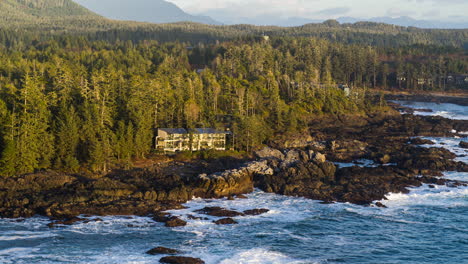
x,y
162,251
464,144
181,260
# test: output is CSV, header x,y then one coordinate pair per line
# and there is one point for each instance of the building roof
x,y
194,131
174,130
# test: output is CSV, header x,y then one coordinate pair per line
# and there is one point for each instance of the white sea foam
x,y
359,163
16,251
456,176
362,163
451,144
280,208
439,196
24,237
451,111
112,225
262,256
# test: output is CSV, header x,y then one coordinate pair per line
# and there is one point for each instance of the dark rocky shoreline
x,y
459,100
299,166
293,165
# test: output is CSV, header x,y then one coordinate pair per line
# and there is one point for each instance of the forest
x,y
81,92
23,21
93,104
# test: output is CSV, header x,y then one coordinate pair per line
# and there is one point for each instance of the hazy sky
x,y
444,10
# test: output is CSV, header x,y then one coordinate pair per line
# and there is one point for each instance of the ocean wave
x,y
262,256
437,196
451,144
451,111
282,208
17,251
29,236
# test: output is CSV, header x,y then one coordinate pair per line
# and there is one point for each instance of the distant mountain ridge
x,y
43,8
226,16
406,21
19,12
153,11
23,21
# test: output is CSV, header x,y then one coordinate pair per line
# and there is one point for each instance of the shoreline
x,y
296,167
304,167
459,98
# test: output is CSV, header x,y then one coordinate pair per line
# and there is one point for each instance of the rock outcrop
x,y
226,221
464,144
256,211
181,260
162,251
219,212
230,182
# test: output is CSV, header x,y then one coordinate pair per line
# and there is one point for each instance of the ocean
x,y
428,225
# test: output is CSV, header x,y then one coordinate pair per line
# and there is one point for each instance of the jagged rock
x,y
292,156
93,220
192,217
464,144
385,159
225,221
175,222
161,217
231,182
219,212
381,205
181,260
162,251
256,211
304,178
421,141
69,221
269,153
318,157
332,145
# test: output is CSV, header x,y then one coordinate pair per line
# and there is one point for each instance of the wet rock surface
x,y
226,221
464,144
219,212
122,192
175,222
421,141
181,260
389,140
256,211
459,100
162,251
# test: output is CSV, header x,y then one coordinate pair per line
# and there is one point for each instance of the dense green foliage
x,y
95,104
81,91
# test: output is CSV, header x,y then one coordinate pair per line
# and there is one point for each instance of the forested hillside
x,y
81,91
22,21
23,12
94,104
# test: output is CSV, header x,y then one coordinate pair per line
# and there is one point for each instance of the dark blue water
x,y
425,226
